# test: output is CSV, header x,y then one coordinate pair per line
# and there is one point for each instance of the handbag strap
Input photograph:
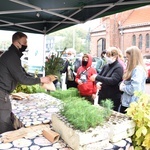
x,y
85,70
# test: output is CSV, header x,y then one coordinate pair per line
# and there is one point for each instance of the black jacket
x,y
12,72
110,76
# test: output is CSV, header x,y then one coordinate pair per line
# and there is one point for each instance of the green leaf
x,y
139,111
146,142
144,130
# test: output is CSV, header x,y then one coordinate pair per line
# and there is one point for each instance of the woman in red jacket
x,y
86,87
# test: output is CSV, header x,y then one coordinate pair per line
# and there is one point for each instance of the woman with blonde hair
x,y
134,77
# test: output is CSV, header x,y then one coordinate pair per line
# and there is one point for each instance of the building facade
x,y
122,30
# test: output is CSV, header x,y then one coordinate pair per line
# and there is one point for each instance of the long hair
x,y
135,59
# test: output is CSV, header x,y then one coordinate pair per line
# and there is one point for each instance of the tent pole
x,y
44,48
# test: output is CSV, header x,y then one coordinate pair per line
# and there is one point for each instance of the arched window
x,y
133,40
140,41
147,41
101,45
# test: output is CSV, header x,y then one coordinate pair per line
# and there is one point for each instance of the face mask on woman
x,y
70,57
84,63
110,60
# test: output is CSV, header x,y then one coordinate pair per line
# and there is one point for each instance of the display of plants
x,y
63,94
82,115
139,111
54,64
79,112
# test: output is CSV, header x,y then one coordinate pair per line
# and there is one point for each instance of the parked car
x,y
147,64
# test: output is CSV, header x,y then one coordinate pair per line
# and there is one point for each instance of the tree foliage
x,y
72,37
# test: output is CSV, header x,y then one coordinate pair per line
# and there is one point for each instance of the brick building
x,y
122,30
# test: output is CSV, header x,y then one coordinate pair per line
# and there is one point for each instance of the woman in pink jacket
x,y
86,87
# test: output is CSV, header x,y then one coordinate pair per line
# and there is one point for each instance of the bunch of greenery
x,y
140,112
54,64
82,115
62,95
29,89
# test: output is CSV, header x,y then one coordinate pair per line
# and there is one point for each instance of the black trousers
x,y
6,122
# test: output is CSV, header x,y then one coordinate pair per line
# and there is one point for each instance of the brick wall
x,y
115,37
127,40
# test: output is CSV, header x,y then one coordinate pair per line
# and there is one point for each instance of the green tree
x,y
72,37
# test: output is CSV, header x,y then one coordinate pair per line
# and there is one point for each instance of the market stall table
x,y
34,111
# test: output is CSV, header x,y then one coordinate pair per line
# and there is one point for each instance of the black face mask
x,y
23,48
84,63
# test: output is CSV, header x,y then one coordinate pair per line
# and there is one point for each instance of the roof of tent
x,y
46,16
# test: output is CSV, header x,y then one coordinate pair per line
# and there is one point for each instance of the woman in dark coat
x,y
109,78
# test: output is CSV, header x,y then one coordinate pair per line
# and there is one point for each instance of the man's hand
x,y
46,79
92,78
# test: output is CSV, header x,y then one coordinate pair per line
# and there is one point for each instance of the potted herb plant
x,y
54,64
